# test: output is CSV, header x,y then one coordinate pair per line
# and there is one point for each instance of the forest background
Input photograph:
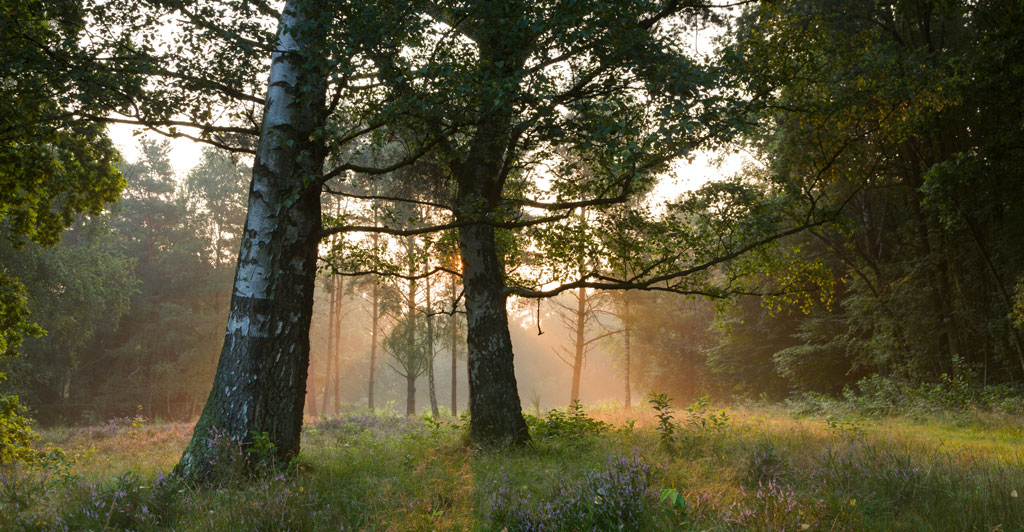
x,y
912,136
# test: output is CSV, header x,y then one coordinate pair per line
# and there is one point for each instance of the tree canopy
x,y
513,147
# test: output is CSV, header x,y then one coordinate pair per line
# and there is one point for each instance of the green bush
x,y
27,473
16,434
765,464
572,424
956,392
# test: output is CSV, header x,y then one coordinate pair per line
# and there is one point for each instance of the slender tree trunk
x,y
430,356
374,327
577,361
625,334
413,368
260,384
150,385
331,317
454,346
311,409
65,393
336,378
410,393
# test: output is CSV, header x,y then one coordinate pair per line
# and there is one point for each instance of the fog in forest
x,y
544,378
696,265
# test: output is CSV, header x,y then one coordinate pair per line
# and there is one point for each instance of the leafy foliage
x,y
14,321
16,434
572,424
27,471
703,418
53,165
666,420
887,114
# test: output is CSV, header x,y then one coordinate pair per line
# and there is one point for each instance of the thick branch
x,y
605,282
397,199
518,224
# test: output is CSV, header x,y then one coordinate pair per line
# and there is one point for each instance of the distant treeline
x,y
898,130
133,301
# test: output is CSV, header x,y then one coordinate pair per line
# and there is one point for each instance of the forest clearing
x,y
759,468
512,265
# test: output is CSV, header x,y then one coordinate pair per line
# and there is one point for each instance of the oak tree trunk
x,y
496,414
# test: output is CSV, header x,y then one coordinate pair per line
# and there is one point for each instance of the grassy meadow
x,y
599,468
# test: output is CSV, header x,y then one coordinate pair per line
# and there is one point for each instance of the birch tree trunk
x,y
260,383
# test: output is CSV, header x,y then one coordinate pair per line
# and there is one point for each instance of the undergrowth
x,y
698,468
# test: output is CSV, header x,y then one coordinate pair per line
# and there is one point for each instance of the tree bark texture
x,y
496,414
260,384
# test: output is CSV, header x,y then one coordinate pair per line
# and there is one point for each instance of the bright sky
x,y
184,153
685,175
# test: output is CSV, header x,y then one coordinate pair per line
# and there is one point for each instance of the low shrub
x,y
614,498
572,424
774,507
765,464
27,473
953,393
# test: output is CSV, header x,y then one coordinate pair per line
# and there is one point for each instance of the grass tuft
x,y
757,468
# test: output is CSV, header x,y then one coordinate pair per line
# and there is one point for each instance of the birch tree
x,y
489,89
